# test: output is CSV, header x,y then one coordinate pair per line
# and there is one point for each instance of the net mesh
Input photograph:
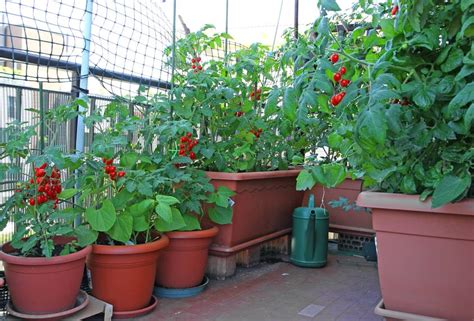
x,y
42,40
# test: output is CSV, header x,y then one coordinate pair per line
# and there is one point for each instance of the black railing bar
x,y
10,53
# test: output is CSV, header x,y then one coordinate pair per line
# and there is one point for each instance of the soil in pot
x,y
29,278
183,263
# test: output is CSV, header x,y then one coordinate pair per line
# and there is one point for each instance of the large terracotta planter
x,y
425,255
183,263
124,275
264,203
43,285
352,221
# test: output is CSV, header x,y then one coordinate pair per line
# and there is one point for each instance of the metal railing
x,y
19,103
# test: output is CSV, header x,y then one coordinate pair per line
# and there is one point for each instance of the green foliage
x,y
36,206
242,122
413,133
405,121
159,189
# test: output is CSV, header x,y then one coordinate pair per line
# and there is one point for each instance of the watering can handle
x,y
311,201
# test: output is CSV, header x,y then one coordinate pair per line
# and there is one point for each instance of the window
x,y
11,106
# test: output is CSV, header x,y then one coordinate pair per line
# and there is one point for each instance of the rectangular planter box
x,y
264,203
353,222
425,255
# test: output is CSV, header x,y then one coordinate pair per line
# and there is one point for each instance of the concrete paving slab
x,y
347,289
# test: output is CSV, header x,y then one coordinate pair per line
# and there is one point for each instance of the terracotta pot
x,y
264,203
354,222
124,275
183,263
425,255
41,285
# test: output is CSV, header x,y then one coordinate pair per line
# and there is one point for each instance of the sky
x,y
249,20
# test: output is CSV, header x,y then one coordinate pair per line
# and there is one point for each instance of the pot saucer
x,y
82,300
136,313
181,293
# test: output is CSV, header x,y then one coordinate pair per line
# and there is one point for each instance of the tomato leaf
x,y
122,229
469,117
68,193
192,223
330,5
177,222
450,188
290,103
454,60
164,211
166,199
463,97
220,215
305,180
85,235
424,98
102,219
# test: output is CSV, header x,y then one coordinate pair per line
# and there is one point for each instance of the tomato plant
x,y
39,202
412,131
232,107
138,176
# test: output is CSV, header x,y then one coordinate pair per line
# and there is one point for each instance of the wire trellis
x,y
43,41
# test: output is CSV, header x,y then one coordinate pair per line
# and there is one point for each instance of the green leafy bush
x,y
412,90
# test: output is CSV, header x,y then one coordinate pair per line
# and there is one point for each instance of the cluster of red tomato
x,y
256,132
239,113
196,66
336,99
111,169
186,146
255,94
48,186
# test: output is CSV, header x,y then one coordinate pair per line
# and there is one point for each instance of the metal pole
x,y
277,25
80,130
173,54
226,43
41,106
296,18
83,86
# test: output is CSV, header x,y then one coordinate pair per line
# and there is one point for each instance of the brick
x,y
221,268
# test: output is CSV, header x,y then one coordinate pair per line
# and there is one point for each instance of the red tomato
x,y
394,10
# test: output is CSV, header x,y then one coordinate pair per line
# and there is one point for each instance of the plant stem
x,y
342,52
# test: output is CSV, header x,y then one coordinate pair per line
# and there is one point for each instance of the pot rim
x,y
162,242
36,261
404,202
253,175
207,233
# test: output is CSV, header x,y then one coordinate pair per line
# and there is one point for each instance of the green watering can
x,y
309,241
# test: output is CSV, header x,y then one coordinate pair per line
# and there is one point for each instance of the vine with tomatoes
x,y
406,120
